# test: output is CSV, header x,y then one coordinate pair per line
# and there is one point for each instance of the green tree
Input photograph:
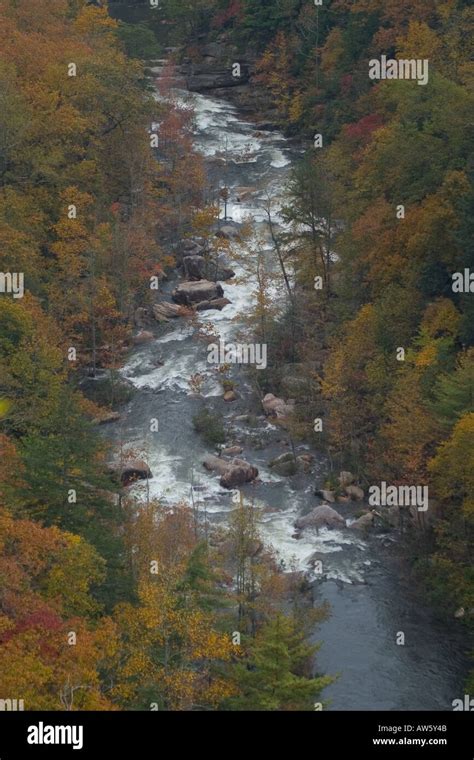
x,y
277,674
454,391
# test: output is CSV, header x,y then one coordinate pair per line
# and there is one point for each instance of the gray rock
x,y
363,523
194,267
188,247
165,311
134,469
198,267
284,464
188,293
322,516
209,78
238,473
346,478
222,272
327,495
234,472
355,492
216,464
216,303
277,407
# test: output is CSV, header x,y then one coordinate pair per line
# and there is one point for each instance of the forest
x,y
111,603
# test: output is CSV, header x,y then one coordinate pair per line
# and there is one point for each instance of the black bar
x,y
165,734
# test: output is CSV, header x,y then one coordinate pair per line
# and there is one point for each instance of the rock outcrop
x,y
320,517
188,293
277,407
197,267
284,464
363,523
233,473
207,77
133,470
165,311
355,492
194,267
216,303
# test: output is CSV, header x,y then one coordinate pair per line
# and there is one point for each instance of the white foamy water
x,y
279,159
359,633
219,133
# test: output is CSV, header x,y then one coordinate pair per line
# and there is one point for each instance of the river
x,y
370,599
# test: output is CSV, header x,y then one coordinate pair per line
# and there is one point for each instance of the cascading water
x,y
370,602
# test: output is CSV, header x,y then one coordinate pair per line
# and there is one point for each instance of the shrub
x,y
210,426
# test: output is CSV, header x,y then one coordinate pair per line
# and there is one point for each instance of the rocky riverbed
x,y
358,572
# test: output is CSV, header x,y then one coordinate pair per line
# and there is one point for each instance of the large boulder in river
x,y
194,267
188,247
277,407
216,464
216,303
134,469
165,311
233,473
364,523
209,78
237,474
188,293
223,272
320,517
326,494
355,493
285,464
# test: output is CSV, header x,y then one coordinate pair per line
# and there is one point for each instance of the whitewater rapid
x,y
369,595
